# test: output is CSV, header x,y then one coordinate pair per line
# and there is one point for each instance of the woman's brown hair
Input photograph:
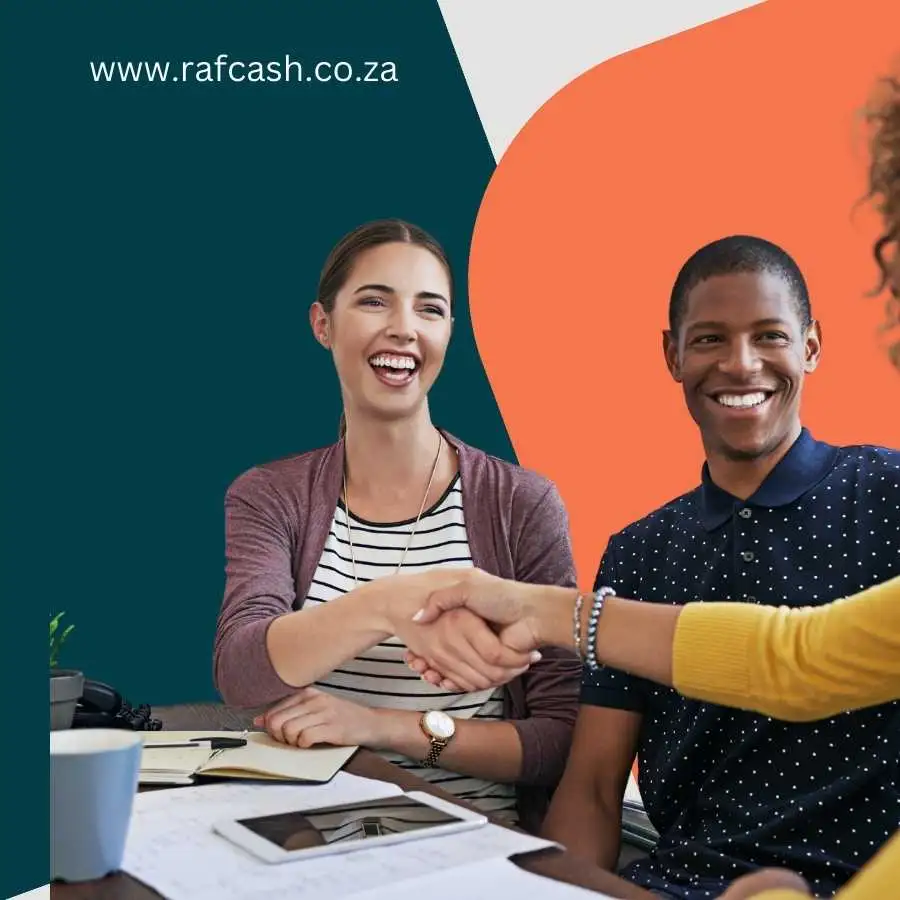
x,y
372,234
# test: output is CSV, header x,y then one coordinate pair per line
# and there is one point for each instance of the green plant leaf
x,y
57,637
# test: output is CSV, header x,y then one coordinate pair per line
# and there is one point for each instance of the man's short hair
x,y
735,254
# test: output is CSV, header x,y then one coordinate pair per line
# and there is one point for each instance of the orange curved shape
x,y
748,124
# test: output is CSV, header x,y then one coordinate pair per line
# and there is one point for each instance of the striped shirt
x,y
379,677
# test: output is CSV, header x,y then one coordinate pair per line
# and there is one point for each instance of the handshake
x,y
467,630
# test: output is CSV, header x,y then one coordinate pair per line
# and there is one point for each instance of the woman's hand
x,y
466,650
420,666
461,642
525,615
462,646
518,611
311,716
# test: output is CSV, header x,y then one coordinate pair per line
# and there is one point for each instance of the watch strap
x,y
437,747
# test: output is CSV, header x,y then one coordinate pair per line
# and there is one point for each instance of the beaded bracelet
x,y
596,610
576,622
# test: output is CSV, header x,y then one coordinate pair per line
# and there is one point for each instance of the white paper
x,y
487,880
171,846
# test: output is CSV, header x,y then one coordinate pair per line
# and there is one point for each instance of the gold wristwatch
x,y
439,728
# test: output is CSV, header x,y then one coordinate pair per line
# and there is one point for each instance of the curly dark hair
x,y
884,168
883,116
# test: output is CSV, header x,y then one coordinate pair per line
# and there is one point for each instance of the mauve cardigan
x,y
277,518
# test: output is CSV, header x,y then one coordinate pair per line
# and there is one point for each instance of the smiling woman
x,y
307,627
395,319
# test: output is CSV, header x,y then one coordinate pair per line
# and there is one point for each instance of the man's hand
x,y
500,602
462,647
466,651
754,885
490,664
312,717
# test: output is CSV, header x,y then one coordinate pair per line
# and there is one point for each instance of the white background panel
x,y
516,54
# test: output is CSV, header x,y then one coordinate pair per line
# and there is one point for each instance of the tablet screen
x,y
350,822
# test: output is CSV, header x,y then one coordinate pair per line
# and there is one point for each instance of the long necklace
x,y
412,533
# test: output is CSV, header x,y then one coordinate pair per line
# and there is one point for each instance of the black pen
x,y
215,743
220,743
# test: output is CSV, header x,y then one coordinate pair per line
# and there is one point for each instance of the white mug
x,y
93,780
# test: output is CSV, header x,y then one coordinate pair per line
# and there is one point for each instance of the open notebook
x,y
262,758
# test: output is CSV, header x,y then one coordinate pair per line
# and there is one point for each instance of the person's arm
x,y
480,749
585,815
264,649
531,750
542,554
796,664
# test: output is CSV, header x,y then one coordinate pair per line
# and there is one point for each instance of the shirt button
x,y
750,598
745,513
747,556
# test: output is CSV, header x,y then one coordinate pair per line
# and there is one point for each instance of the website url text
x,y
221,69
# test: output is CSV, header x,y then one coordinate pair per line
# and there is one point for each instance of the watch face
x,y
440,724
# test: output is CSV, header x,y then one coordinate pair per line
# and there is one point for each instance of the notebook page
x,y
263,757
267,758
173,760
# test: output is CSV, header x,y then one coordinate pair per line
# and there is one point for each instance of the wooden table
x,y
551,863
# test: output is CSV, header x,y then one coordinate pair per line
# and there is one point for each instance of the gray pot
x,y
66,686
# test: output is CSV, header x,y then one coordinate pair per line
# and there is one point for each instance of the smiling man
x,y
781,519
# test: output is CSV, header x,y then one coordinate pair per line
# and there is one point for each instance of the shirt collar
x,y
806,463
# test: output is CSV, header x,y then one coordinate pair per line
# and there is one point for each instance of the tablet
x,y
320,831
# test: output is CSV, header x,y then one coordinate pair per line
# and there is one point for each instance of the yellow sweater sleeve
x,y
796,664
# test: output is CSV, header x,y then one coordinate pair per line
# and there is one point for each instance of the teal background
x,y
163,244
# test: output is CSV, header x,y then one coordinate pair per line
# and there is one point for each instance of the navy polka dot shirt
x,y
728,790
